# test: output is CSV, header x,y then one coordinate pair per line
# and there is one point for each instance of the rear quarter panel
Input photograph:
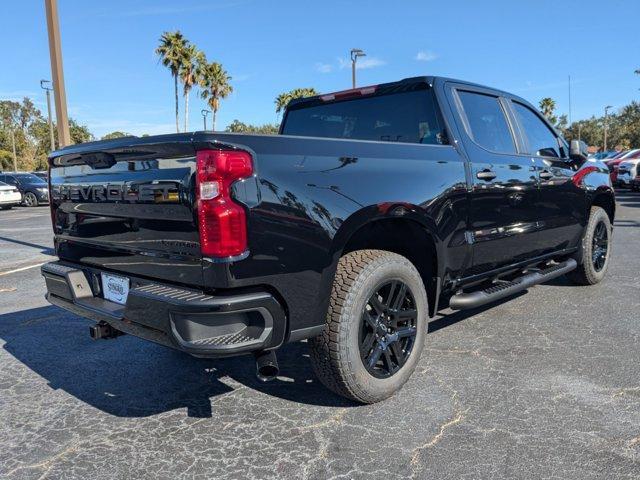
x,y
303,208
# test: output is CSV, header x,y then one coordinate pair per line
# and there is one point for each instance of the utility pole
x,y
55,52
606,113
15,157
204,113
569,99
43,85
355,53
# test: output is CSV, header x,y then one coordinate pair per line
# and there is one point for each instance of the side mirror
x,y
578,151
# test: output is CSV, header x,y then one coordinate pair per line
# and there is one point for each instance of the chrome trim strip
x,y
235,258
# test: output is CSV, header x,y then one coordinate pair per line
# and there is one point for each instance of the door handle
x,y
486,174
546,175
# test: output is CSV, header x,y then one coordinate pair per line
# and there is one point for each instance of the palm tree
x,y
170,51
547,107
190,63
214,86
284,98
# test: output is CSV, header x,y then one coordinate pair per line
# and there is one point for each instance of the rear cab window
x,y
405,117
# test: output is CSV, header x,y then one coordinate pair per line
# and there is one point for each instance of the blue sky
x,y
114,81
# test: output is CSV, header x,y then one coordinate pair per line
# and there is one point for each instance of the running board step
x,y
465,301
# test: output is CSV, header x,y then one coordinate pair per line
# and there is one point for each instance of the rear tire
x,y
375,326
596,250
30,199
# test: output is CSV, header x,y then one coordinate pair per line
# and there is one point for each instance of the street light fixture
x,y
606,113
204,113
355,53
43,85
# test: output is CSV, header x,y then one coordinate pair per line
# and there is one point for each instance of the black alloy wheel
x,y
600,247
388,329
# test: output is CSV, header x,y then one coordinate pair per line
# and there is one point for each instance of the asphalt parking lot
x,y
546,385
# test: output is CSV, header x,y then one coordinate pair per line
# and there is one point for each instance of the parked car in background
x,y
604,155
614,162
10,196
627,171
34,190
43,175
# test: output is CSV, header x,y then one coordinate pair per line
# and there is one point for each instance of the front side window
x,y
540,139
486,122
407,117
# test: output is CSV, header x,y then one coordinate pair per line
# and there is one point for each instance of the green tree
x,y
193,60
589,131
116,134
171,53
284,98
214,86
31,134
548,106
239,127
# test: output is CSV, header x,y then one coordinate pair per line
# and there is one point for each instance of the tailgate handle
x,y
99,160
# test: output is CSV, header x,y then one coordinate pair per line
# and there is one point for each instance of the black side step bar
x,y
465,301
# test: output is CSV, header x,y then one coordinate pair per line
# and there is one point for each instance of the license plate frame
x,y
115,288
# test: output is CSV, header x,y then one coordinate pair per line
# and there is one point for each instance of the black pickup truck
x,y
370,211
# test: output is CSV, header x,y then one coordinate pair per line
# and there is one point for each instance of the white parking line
x,y
21,269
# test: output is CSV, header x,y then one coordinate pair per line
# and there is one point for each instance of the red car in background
x,y
615,161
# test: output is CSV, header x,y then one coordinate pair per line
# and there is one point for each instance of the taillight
x,y
222,222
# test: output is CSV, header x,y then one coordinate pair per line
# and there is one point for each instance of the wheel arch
x,y
605,199
399,228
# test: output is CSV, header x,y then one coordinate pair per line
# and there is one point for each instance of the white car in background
x,y
10,196
627,171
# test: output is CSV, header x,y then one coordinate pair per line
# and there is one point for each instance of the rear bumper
x,y
188,320
11,199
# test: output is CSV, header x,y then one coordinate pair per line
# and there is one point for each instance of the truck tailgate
x,y
128,206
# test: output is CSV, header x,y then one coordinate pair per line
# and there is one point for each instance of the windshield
x,y
28,178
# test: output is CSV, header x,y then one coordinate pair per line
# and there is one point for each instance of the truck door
x,y
562,207
504,185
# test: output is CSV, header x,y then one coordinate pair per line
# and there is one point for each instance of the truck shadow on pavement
x,y
44,250
129,377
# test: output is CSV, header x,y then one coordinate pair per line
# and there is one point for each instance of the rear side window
x,y
407,117
541,140
486,122
10,180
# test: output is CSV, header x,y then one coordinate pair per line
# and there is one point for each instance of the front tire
x,y
596,250
375,327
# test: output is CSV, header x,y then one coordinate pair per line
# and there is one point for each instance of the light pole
x,y
355,53
43,85
13,145
204,113
606,113
55,53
